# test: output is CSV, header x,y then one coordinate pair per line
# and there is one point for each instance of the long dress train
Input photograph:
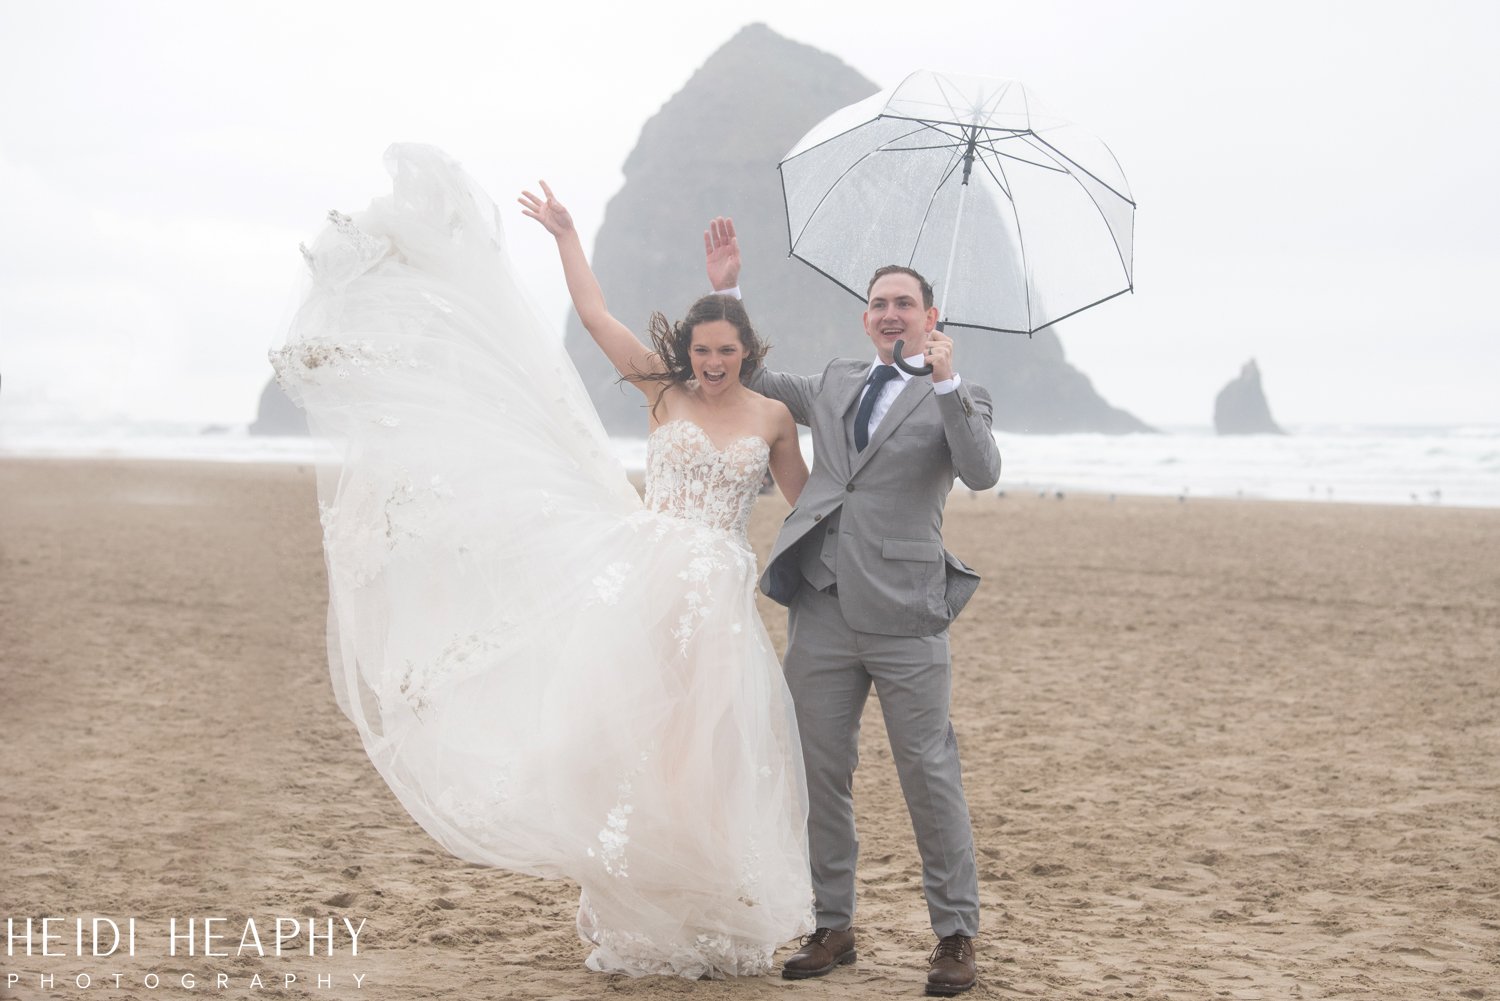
x,y
553,677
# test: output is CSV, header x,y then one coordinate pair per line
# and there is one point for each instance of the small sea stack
x,y
1241,408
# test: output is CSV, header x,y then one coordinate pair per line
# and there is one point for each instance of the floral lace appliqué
x,y
608,585
689,477
373,519
310,361
613,839
464,654
613,836
708,954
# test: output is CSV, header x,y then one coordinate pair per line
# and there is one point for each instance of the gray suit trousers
x,y
829,668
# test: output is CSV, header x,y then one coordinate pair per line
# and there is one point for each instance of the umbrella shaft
x,y
958,218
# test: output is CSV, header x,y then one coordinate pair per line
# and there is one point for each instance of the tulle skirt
x,y
506,621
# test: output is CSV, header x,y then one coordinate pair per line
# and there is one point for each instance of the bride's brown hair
x,y
673,342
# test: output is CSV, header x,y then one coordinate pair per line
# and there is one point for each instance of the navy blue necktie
x,y
878,379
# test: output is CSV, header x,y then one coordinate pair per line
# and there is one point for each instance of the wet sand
x,y
1212,749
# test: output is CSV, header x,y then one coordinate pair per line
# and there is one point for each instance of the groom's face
x,y
895,313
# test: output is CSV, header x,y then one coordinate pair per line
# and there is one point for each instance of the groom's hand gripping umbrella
x,y
1026,218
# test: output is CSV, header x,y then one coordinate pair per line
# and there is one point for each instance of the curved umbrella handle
x,y
900,362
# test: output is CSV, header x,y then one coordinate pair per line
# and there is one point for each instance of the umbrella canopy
x,y
1018,217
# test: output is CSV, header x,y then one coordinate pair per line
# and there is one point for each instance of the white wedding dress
x,y
552,676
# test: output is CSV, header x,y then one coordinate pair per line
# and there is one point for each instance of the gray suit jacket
x,y
894,576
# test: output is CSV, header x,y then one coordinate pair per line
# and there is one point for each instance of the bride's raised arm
x,y
623,349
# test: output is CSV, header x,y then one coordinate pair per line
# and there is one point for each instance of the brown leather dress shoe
x,y
820,953
951,969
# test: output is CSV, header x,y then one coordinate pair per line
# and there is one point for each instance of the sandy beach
x,y
1212,749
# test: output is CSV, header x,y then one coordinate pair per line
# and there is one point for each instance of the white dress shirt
x,y
893,387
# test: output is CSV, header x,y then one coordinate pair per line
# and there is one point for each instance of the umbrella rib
x,y
962,138
943,84
940,129
933,123
957,146
846,288
925,126
1014,330
1050,153
829,190
993,136
1080,309
1053,149
825,142
915,149
1119,253
993,146
953,163
981,326
1000,98
786,210
925,123
1130,264
981,113
1029,163
986,138
852,128
1021,240
952,166
998,183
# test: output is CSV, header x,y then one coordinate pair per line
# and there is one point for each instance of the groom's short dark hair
x,y
896,269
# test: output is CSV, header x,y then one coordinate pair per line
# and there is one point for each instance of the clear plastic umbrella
x,y
1018,217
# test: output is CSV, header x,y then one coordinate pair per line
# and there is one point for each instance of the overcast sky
x,y
1315,181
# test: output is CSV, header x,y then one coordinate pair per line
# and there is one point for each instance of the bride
x,y
552,676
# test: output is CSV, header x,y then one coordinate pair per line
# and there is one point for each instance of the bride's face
x,y
716,353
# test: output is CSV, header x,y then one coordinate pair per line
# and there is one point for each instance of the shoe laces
x,y
818,937
953,947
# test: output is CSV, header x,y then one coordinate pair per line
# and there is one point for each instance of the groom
x,y
870,590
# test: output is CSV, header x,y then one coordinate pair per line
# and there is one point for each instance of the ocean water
x,y
1372,465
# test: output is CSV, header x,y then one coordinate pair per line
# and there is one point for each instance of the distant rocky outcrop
x,y
1241,408
277,414
712,150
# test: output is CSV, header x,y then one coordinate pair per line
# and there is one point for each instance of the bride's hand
x,y
550,213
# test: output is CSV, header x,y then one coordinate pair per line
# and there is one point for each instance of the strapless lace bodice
x,y
688,476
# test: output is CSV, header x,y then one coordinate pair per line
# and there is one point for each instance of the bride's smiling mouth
x,y
713,378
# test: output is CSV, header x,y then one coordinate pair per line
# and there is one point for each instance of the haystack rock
x,y
1241,408
712,150
277,414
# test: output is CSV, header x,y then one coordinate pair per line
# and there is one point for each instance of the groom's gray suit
x,y
861,565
